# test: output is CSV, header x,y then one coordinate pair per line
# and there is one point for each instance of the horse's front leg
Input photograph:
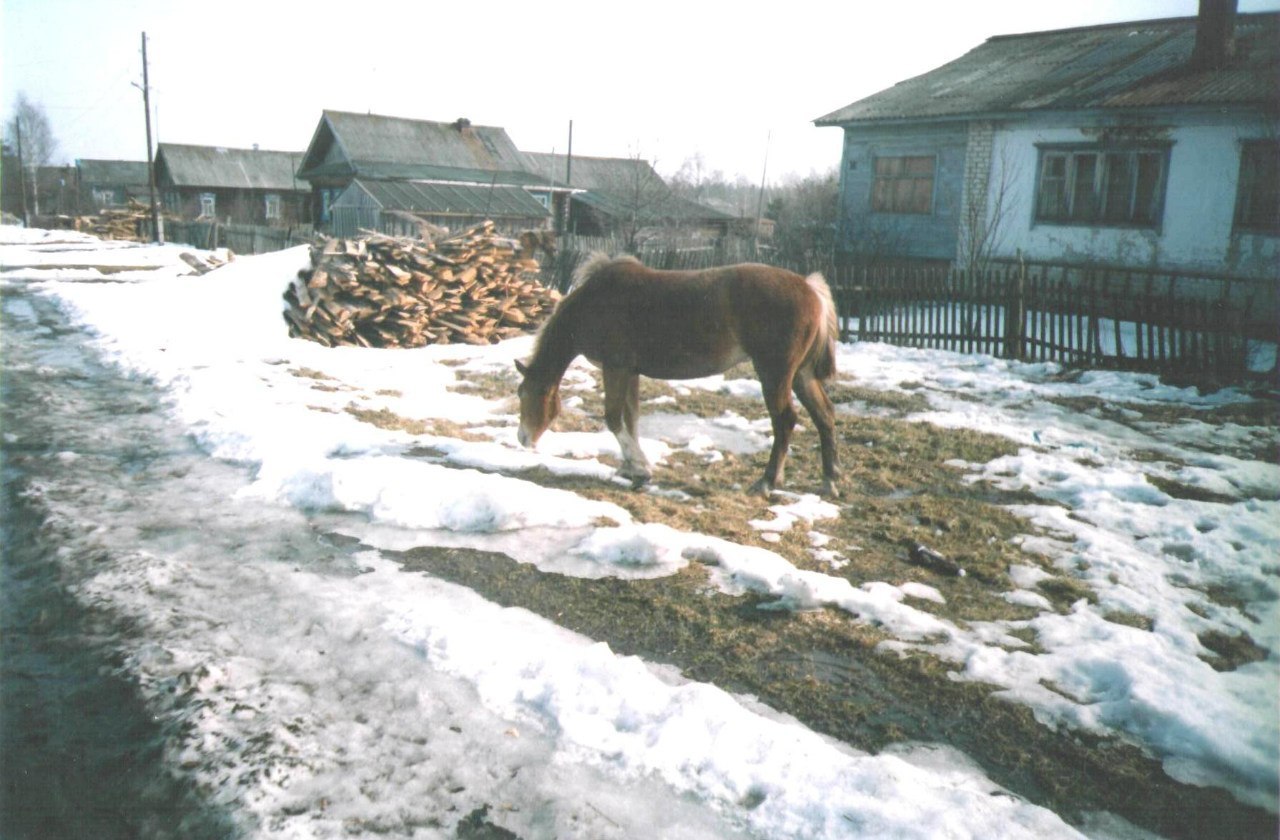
x,y
782,415
621,410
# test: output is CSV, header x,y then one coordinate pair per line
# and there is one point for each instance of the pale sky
x,y
661,79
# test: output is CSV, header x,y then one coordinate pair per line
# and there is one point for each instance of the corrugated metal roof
x,y
595,173
449,198
613,184
113,172
1127,65
425,172
217,167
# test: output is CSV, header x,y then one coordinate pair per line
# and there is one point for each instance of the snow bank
x,y
235,379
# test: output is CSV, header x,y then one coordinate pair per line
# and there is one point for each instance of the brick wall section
x,y
977,178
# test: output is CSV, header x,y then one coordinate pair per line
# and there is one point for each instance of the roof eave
x,y
1024,113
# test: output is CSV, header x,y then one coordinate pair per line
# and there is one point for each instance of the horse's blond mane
x,y
595,262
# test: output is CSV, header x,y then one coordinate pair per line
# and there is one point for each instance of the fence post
x,y
1093,355
1015,312
1118,310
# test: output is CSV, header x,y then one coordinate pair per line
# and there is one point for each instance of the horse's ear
x,y
520,366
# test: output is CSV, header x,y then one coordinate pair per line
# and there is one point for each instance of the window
x,y
903,185
273,205
1092,185
327,197
1258,193
208,205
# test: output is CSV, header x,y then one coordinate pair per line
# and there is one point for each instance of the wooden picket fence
x,y
1078,316
242,239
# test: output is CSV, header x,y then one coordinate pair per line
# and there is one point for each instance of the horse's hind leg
x,y
782,414
813,396
621,410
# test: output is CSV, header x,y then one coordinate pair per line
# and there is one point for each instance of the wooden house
x,y
626,197
104,184
477,162
233,186
1150,144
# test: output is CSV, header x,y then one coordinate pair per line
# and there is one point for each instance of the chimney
x,y
1215,35
462,124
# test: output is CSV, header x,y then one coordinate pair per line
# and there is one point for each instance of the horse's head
x,y
539,405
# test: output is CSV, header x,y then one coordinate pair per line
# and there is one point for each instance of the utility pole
x,y
22,177
562,221
157,230
568,159
760,202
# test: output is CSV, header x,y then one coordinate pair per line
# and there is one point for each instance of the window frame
x,y
106,197
328,195
887,187
1247,188
1094,177
208,205
273,206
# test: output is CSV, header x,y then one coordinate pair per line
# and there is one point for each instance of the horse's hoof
x,y
761,488
637,479
830,490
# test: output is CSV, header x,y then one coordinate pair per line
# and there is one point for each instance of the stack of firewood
x,y
115,222
383,291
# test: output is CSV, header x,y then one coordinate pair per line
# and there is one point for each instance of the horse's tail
x,y
822,356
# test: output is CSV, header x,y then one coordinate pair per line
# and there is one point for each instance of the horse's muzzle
x,y
523,437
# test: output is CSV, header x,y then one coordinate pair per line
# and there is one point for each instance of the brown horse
x,y
632,321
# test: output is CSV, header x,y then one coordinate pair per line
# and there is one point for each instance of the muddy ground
x,y
822,666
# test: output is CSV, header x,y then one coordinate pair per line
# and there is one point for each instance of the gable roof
x,y
1126,65
595,173
346,143
113,173
621,186
218,167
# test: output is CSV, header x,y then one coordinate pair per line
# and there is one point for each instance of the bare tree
x,y
988,205
805,211
29,133
642,201
39,146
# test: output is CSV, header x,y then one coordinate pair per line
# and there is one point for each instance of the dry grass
x,y
897,492
823,666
